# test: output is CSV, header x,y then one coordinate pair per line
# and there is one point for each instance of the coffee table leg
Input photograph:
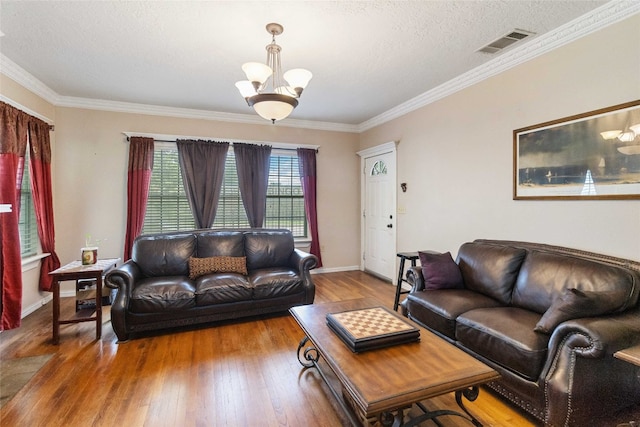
x,y
470,394
309,356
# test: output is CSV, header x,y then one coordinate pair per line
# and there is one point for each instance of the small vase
x,y
89,255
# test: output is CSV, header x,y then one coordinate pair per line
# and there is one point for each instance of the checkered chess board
x,y
370,322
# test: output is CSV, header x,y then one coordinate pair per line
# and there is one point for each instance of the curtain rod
x,y
231,143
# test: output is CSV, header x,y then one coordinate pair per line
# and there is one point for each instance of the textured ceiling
x,y
367,57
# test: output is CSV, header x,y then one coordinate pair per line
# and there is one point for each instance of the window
x,y
379,168
27,225
168,208
230,212
285,202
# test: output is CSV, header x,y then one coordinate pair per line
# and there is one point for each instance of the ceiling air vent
x,y
505,41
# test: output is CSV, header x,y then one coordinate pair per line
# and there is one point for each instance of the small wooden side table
x,y
75,271
631,355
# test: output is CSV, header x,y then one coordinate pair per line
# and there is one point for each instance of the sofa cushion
x,y
164,255
505,336
266,249
220,288
545,275
275,282
440,271
490,269
220,243
438,309
157,294
217,264
574,303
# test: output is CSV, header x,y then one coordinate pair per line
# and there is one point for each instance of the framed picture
x,y
590,156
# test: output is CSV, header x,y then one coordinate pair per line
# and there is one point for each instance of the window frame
x,y
234,197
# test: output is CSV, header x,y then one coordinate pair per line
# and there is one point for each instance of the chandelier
x,y
265,89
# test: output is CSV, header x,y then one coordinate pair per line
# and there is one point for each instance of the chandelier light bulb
x,y
627,136
298,77
610,134
246,88
257,72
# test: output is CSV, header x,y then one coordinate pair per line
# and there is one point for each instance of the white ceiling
x,y
368,58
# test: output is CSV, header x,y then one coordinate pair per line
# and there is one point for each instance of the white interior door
x,y
379,215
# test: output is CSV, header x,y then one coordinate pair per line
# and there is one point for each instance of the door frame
x,y
386,148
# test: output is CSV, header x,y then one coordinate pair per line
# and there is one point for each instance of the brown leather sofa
x,y
185,278
547,318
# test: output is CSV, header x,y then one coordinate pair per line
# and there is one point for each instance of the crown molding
x,y
27,80
31,83
157,110
599,18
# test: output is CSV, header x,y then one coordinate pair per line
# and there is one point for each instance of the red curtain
x,y
138,180
41,189
13,143
307,167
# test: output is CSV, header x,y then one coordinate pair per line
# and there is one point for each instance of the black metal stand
x,y
412,256
470,394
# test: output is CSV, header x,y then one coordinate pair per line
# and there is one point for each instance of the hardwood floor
x,y
242,373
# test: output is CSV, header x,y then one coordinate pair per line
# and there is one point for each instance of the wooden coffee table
x,y
377,386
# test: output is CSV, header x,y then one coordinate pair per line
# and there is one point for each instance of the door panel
x,y
379,215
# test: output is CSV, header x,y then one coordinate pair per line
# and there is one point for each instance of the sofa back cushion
x,y
164,254
268,248
546,276
490,269
220,243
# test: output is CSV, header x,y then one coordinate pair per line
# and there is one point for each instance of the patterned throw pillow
x,y
217,264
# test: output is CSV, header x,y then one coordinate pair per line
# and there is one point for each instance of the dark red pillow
x,y
440,271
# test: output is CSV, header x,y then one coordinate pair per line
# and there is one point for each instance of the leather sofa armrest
x,y
415,279
581,359
122,278
595,337
303,261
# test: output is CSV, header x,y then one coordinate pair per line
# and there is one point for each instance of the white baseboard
x,y
36,305
334,269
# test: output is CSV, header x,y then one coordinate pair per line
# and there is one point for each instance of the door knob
x,y
389,225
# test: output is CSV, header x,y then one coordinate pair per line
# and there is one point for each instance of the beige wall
x,y
91,177
456,154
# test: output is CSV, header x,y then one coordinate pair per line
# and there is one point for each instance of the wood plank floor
x,y
242,373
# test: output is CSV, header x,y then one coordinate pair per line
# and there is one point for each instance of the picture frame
x,y
589,156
